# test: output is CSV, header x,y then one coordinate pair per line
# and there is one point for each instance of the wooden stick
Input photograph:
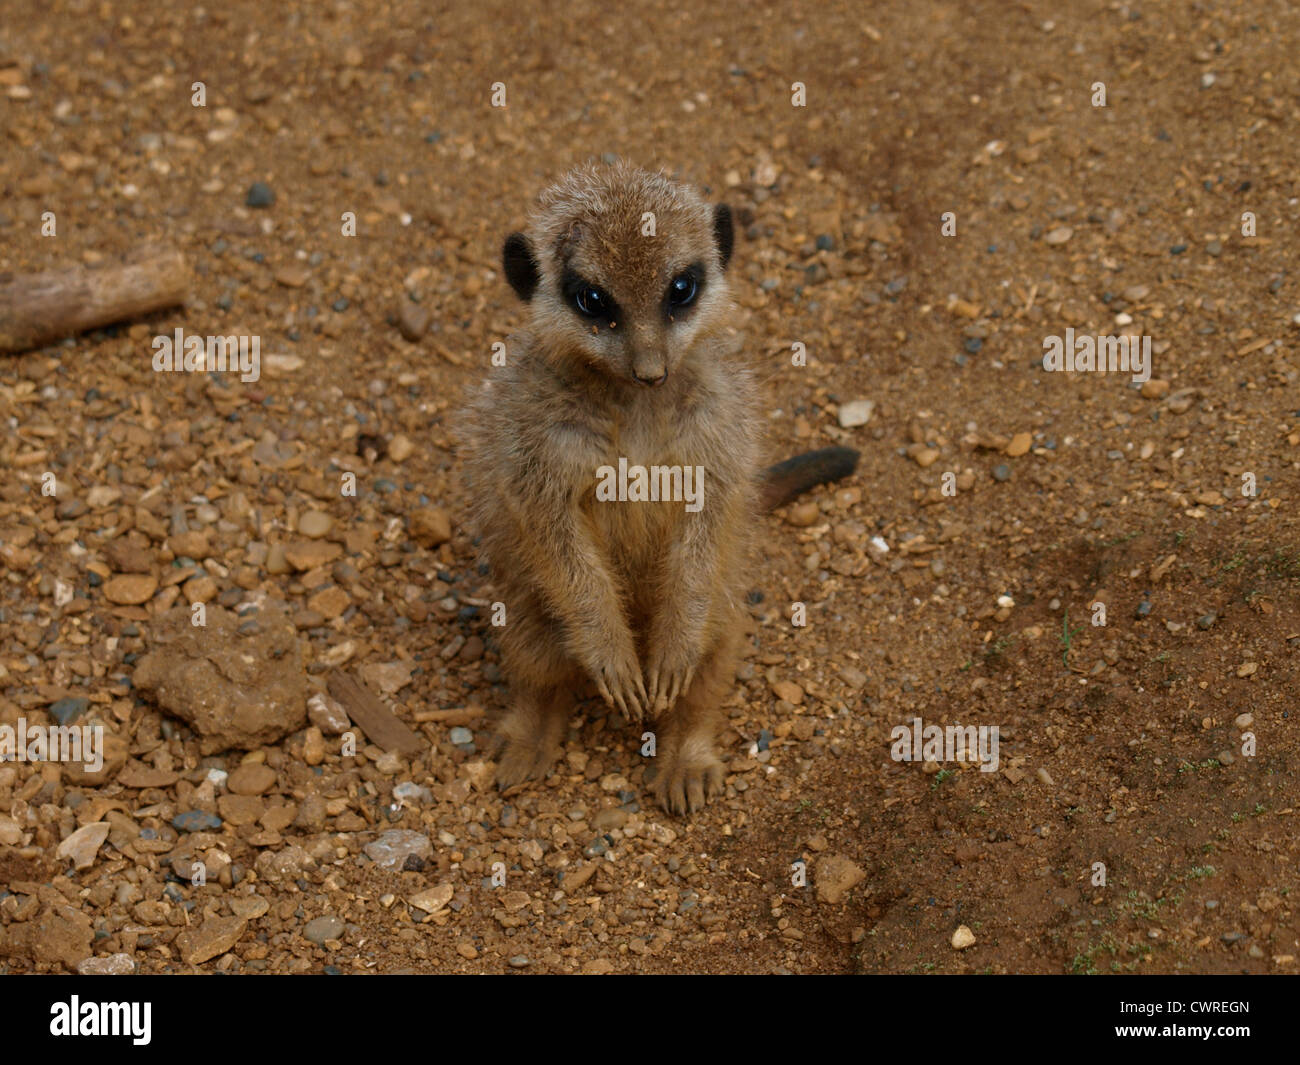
x,y
377,721
36,309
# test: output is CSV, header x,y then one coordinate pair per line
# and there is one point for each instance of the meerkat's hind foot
x,y
529,739
689,780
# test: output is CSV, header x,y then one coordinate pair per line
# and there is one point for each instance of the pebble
x,y
1244,720
67,710
835,876
131,589
196,821
391,849
315,524
460,736
259,195
430,526
400,448
1020,444
412,320
313,746
803,514
251,778
1059,235
519,961
851,415
925,457
433,899
1156,388
84,844
109,965
319,929
962,938
1002,472
1205,621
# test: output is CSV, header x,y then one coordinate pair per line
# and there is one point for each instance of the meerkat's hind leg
x,y
689,770
529,737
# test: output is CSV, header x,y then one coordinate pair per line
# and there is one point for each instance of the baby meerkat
x,y
627,363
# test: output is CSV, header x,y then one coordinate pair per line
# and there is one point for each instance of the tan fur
x,y
641,598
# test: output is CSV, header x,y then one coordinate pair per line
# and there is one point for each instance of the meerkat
x,y
628,355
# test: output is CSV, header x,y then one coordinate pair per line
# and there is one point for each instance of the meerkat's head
x,y
624,269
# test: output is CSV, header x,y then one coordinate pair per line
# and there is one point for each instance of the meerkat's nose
x,y
651,382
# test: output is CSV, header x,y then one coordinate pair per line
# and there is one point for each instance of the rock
x,y
327,714
130,589
387,677
1059,235
310,554
926,457
963,938
313,746
294,275
319,929
259,195
400,448
238,686
66,711
1244,720
330,602
412,320
251,778
856,413
112,965
216,936
430,526
1206,621
113,753
835,876
84,844
61,936
434,899
1155,388
460,735
196,821
1020,444
284,865
315,524
193,545
1247,669
391,850
789,691
803,514
241,809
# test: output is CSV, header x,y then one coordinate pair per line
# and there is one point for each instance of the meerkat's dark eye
x,y
682,289
592,302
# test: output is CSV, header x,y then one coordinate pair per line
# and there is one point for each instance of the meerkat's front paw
x,y
668,677
686,782
620,684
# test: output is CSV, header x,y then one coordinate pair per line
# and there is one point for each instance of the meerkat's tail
x,y
789,479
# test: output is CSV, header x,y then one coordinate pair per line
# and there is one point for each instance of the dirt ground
x,y
954,578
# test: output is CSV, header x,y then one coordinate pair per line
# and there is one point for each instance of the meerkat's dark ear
x,y
521,266
723,233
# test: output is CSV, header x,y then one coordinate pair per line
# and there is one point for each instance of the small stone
x,y
803,515
315,524
330,602
110,965
1205,621
835,876
519,961
1247,669
196,821
391,849
309,554
66,711
789,691
400,448
857,413
259,195
430,526
327,714
1244,720
320,929
433,899
412,320
293,275
131,589
216,936
926,457
1059,235
962,938
275,560
313,746
1156,388
1020,444
460,736
84,844
1002,472
251,778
